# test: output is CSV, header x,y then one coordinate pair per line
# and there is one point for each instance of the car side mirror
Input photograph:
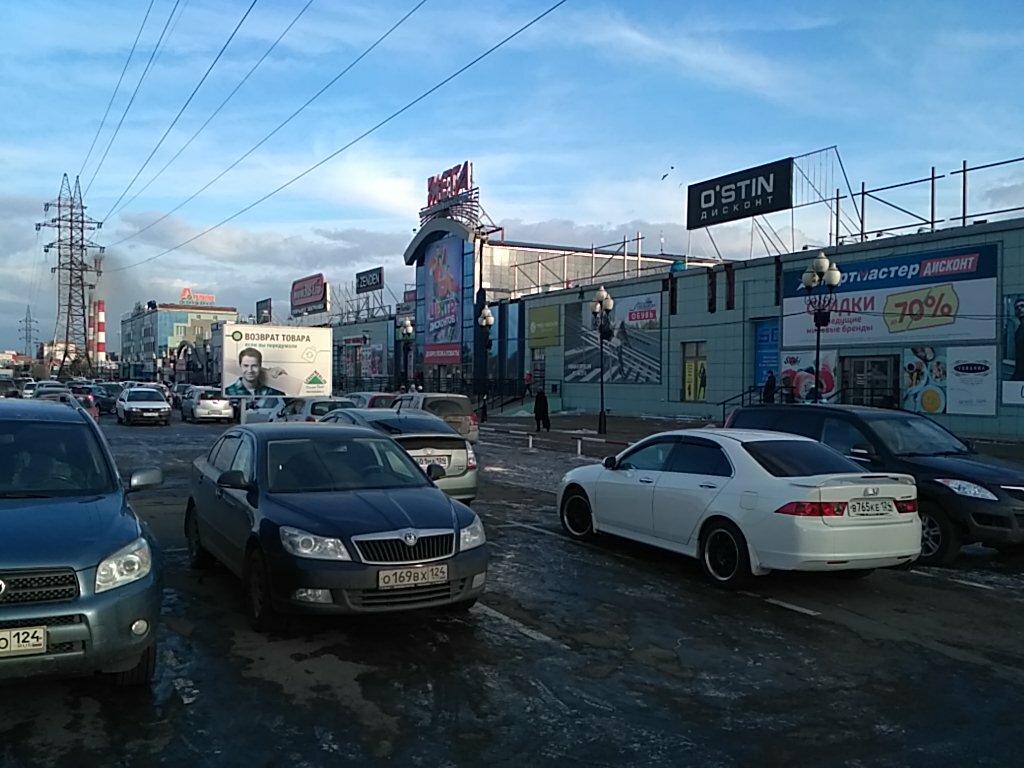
x,y
435,471
145,480
233,478
970,445
609,462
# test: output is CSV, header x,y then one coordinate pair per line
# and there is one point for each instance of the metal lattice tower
x,y
28,331
74,276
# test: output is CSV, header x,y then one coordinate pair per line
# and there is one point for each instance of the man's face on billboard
x,y
1018,309
250,370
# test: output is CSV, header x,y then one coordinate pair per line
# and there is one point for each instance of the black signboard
x,y
264,311
370,280
740,195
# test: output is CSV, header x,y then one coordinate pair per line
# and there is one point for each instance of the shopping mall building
x,y
927,321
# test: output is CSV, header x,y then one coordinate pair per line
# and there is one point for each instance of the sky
x,y
588,126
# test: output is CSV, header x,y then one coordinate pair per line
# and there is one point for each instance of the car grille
x,y
395,551
51,621
26,587
411,596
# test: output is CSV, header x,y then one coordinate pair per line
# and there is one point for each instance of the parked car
x,y
50,387
143,405
262,409
964,496
28,389
457,410
427,438
106,396
745,503
177,393
372,399
88,402
206,404
80,571
309,408
331,520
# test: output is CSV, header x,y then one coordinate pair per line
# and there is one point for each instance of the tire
x,y
724,556
259,607
119,419
576,516
940,540
113,410
198,558
142,673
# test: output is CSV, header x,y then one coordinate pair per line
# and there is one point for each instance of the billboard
x,y
543,326
264,311
633,355
310,295
443,298
1012,332
740,195
189,297
766,350
276,360
956,380
901,300
796,375
370,280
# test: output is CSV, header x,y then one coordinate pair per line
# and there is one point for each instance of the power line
x,y
287,120
248,74
185,105
116,88
131,101
359,138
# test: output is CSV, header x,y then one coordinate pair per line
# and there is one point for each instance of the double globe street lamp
x,y
820,273
406,332
602,309
486,322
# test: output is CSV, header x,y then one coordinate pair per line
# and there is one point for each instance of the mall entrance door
x,y
871,381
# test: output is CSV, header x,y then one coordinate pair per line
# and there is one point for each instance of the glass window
x,y
140,395
754,418
333,463
699,459
910,435
448,406
51,459
243,461
695,372
652,457
801,420
797,458
843,436
226,455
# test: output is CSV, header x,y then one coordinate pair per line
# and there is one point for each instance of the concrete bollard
x,y
579,446
530,438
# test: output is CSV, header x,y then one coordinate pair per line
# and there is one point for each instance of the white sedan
x,y
746,503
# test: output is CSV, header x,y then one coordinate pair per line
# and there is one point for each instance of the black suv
x,y
964,496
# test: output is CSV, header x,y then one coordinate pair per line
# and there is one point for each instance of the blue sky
x,y
570,127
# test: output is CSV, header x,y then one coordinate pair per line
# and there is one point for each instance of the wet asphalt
x,y
610,654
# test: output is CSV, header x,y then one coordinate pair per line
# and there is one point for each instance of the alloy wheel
x,y
931,536
577,516
721,554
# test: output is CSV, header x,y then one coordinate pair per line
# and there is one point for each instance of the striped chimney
x,y
90,331
101,331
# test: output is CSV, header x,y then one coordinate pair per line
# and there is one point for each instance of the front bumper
x,y
353,586
210,414
143,417
988,522
808,544
87,635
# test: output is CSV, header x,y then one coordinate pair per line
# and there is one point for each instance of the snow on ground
x,y
539,470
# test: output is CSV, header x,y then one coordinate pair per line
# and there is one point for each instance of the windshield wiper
x,y
925,454
24,495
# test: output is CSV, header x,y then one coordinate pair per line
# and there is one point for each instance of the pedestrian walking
x,y
540,412
768,395
528,381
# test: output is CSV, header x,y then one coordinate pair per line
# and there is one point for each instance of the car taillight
x,y
470,457
813,509
310,418
907,507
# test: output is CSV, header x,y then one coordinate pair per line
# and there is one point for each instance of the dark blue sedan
x,y
330,519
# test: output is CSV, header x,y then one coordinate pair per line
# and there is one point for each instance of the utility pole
x,y
28,333
74,276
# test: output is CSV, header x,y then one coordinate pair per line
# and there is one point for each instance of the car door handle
x,y
646,480
708,485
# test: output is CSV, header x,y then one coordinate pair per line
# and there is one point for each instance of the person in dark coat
x,y
540,411
769,388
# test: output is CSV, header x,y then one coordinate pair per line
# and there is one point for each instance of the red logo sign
x,y
187,297
449,184
309,290
642,315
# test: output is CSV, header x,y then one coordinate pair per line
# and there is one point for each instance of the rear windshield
x,y
52,459
382,401
448,406
212,394
145,396
324,407
399,425
796,458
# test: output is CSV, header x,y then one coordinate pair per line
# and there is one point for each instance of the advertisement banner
x,y
695,380
265,311
924,380
632,355
372,360
796,374
370,280
925,297
543,326
276,360
1012,331
766,350
443,299
740,195
310,296
971,383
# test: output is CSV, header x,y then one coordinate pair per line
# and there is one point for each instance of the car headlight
x,y
971,490
128,564
472,535
304,544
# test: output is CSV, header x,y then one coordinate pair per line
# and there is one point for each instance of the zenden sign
x,y
764,189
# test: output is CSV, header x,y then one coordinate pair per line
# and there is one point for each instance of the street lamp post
x,y
602,309
486,322
820,273
406,332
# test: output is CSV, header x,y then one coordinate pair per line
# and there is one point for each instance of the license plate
x,y
23,641
399,578
426,461
151,415
871,507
